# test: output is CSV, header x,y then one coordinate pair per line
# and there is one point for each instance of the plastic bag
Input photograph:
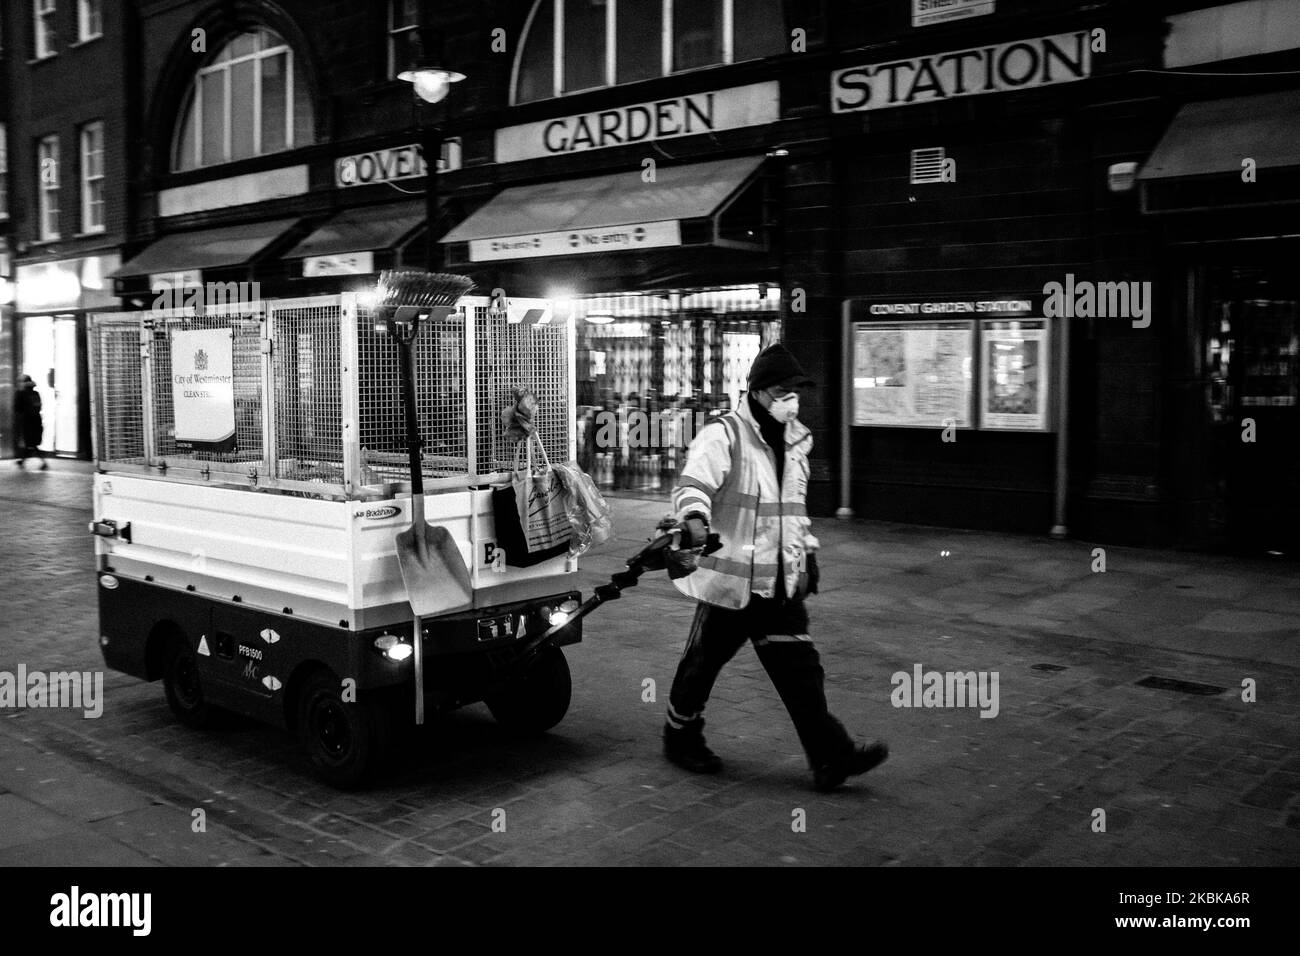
x,y
588,512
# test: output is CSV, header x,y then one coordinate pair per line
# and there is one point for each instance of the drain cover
x,y
1181,686
1047,667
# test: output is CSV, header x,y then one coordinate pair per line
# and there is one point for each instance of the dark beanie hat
x,y
775,365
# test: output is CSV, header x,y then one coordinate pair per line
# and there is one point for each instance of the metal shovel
x,y
433,570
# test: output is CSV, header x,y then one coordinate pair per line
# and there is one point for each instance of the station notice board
x,y
937,373
1015,364
913,374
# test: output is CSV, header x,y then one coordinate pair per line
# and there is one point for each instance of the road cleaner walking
x,y
755,586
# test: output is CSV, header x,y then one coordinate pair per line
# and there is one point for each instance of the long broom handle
x,y
412,423
417,511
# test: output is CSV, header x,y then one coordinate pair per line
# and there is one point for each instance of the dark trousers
x,y
779,630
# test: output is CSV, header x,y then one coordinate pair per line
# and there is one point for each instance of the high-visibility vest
x,y
730,477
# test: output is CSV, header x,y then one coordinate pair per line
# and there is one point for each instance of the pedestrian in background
x,y
746,478
28,426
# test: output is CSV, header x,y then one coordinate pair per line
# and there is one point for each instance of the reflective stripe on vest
x,y
753,531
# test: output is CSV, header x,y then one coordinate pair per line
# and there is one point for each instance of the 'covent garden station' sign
x,y
1022,64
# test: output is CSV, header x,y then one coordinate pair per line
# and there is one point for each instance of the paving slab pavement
x,y
1200,779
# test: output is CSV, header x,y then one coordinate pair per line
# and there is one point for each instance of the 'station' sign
x,y
572,242
203,390
755,105
926,12
1063,58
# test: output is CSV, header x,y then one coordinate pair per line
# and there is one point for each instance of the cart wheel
x,y
345,741
184,689
537,701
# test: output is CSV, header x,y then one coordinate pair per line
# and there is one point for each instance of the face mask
x,y
785,410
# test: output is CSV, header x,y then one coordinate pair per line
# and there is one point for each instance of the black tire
x,y
184,688
346,742
537,700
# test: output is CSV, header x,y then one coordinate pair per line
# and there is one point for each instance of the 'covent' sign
x,y
1062,58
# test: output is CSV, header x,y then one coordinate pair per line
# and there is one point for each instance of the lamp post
x,y
431,84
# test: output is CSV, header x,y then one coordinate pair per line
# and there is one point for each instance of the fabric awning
x,y
1214,136
205,249
367,229
614,212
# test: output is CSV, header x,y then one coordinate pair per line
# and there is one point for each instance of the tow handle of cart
x,y
649,558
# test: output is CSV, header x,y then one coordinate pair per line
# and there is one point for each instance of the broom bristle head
x,y
423,289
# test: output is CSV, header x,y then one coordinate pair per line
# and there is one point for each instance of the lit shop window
x,y
574,45
4,171
92,177
43,28
90,19
47,194
251,100
403,38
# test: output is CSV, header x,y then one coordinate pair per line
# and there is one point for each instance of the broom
x,y
435,575
421,290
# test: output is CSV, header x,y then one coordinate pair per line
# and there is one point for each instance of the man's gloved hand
x,y
814,575
695,532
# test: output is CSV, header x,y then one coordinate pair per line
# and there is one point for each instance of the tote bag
x,y
532,523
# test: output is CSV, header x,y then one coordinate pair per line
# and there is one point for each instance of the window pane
x,y
406,48
214,117
273,103
536,80
405,12
242,114
697,33
640,39
304,126
759,29
242,45
584,44
184,158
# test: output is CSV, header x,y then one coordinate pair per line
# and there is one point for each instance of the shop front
x,y
1229,244
671,287
52,300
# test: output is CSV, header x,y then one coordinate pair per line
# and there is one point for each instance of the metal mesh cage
x,y
307,371
440,398
246,334
115,366
317,394
533,355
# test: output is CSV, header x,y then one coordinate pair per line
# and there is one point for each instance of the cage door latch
x,y
108,528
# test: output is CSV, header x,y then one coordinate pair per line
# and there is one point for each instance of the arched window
x,y
251,99
574,45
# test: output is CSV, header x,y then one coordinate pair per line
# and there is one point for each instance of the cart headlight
x,y
392,647
562,613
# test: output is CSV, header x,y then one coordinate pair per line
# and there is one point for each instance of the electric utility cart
x,y
258,517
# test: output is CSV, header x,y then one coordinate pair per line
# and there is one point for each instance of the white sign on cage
x,y
203,389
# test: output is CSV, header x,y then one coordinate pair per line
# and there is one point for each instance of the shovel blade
x,y
436,579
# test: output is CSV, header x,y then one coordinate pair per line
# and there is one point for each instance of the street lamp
x,y
431,84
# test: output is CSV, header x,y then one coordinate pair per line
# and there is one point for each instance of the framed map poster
x,y
913,374
1015,359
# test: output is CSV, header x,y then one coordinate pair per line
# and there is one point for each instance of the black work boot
x,y
831,775
687,749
